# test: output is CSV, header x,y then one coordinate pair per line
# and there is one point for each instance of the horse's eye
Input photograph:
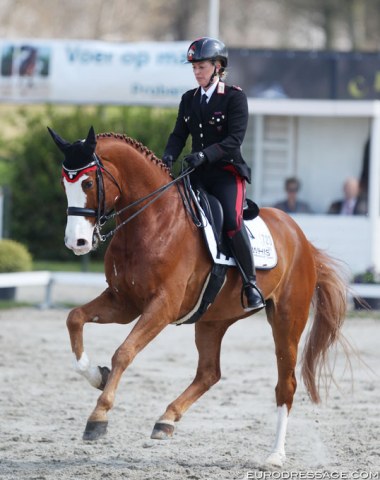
x,y
87,184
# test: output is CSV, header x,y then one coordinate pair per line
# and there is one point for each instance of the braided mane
x,y
136,145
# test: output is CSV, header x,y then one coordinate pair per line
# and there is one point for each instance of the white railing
x,y
50,279
366,290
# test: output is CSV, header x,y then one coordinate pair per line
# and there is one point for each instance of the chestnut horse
x,y
156,265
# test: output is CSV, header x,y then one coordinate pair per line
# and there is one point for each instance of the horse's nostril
x,y
81,242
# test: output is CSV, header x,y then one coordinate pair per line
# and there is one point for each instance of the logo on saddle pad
x,y
262,244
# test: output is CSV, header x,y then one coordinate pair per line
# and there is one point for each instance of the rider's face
x,y
203,71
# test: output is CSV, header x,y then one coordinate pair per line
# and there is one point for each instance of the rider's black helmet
x,y
207,48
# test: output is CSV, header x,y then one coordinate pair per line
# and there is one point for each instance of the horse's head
x,y
83,182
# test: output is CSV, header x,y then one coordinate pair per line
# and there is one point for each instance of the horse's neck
x,y
139,176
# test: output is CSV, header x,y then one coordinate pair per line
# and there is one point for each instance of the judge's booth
x,y
322,143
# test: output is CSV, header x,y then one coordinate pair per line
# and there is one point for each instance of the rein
x,y
156,194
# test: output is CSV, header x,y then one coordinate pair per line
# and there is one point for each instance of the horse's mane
x,y
136,145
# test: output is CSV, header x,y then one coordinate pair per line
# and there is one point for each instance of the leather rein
x,y
102,217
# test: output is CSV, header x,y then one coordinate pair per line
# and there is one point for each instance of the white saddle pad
x,y
263,248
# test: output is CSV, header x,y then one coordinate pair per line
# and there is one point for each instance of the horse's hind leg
x,y
288,322
208,339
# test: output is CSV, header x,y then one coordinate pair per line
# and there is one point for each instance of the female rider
x,y
216,117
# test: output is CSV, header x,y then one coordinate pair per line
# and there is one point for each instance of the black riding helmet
x,y
206,48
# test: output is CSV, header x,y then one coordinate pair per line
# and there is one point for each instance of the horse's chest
x,y
124,278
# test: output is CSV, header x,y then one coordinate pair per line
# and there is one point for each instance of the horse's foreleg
x,y
208,339
101,310
148,326
75,322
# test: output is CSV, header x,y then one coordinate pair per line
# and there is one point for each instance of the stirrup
x,y
248,308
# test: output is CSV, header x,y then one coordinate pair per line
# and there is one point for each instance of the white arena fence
x,y
49,280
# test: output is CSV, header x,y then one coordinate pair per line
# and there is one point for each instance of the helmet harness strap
x,y
212,76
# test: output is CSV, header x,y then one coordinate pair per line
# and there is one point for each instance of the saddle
x,y
210,211
213,211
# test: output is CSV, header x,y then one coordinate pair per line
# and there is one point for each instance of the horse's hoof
x,y
95,430
162,430
275,459
104,372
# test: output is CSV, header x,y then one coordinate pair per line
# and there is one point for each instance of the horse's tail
x,y
330,306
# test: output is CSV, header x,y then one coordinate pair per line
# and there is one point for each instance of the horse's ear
x,y
60,142
91,138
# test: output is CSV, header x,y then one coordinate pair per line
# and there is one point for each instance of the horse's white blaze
x,y
84,368
277,457
79,230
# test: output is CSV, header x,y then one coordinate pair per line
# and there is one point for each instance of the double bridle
x,y
100,215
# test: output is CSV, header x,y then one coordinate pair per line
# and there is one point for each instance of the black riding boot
x,y
242,252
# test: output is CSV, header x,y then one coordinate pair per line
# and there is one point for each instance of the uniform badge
x,y
221,88
217,119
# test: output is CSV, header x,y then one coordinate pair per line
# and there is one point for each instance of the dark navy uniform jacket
x,y
220,134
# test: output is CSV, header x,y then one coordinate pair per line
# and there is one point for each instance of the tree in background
x,y
286,24
343,24
38,206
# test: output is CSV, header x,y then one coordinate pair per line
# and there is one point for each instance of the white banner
x,y
94,72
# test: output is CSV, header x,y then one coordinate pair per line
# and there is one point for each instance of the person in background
x,y
216,116
291,204
352,203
